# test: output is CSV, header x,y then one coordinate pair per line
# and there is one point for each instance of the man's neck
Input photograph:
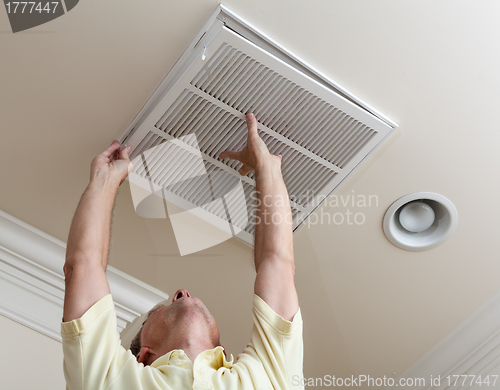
x,y
192,348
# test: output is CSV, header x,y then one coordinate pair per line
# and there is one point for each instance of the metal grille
x,y
244,84
217,130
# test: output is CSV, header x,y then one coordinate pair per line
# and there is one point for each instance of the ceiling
x,y
71,86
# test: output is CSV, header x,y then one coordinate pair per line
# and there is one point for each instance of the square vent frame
x,y
340,130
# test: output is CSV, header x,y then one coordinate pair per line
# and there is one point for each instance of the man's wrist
x,y
104,183
268,170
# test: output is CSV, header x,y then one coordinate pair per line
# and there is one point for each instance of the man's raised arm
x,y
88,241
274,261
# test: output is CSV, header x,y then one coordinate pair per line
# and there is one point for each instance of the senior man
x,y
178,346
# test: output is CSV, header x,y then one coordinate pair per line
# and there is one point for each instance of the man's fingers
x,y
232,154
251,123
124,156
111,149
124,152
245,169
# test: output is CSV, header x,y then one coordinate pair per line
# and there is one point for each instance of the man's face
x,y
169,327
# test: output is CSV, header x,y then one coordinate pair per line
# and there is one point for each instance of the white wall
x,y
30,360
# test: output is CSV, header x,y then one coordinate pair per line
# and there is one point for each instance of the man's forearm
x,y
90,230
274,262
88,240
273,231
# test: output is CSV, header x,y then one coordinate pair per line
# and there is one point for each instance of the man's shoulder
x,y
103,305
264,312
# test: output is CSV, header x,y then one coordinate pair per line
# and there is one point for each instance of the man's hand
x,y
112,164
255,154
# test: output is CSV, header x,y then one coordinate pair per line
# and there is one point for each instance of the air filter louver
x,y
322,131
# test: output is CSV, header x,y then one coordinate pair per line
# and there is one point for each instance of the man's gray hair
x,y
135,345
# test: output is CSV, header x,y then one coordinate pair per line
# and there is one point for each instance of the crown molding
x,y
32,281
472,348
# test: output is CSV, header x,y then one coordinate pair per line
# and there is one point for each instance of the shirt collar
x,y
214,358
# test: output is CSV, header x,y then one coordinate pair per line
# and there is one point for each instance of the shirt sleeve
x,y
278,346
93,355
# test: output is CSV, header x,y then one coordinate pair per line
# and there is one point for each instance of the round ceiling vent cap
x,y
420,221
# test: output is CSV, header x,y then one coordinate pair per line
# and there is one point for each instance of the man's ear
x,y
143,355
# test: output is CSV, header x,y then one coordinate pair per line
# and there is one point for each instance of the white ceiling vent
x,y
322,131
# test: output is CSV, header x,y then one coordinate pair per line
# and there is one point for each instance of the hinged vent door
x,y
321,135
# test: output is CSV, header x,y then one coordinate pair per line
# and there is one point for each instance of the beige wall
x,y
30,360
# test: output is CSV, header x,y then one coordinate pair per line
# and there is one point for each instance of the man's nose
x,y
182,293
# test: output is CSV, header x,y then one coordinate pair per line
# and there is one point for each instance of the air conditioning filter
x,y
322,131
